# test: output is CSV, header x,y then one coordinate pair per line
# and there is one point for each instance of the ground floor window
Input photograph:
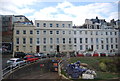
x,y
44,48
17,48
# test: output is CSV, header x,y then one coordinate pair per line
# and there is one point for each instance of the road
x,y
38,75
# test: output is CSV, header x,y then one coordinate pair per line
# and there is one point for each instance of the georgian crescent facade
x,y
61,36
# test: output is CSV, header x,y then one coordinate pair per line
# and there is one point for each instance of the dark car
x,y
88,54
102,54
40,55
19,55
111,54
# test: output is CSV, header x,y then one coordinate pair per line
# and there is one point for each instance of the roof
x,y
14,58
19,16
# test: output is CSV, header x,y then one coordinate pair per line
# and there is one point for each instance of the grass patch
x,y
94,62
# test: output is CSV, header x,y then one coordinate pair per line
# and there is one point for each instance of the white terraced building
x,y
95,35
52,36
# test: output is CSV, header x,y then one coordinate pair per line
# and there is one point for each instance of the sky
x,y
64,10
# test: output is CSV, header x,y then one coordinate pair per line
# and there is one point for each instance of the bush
x,y
103,66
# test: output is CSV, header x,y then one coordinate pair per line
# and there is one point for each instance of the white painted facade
x,y
48,36
103,40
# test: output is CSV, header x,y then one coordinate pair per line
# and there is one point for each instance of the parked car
x,y
40,55
15,62
72,55
88,54
80,55
30,58
51,55
102,54
29,53
95,54
111,54
19,55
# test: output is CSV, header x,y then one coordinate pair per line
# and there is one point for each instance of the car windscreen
x,y
11,61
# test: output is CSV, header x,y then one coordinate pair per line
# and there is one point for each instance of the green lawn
x,y
93,63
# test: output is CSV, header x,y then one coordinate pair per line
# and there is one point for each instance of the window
x,y
69,32
80,32
97,26
31,32
51,47
96,32
97,46
44,32
38,25
51,25
51,40
86,40
17,40
63,40
80,40
106,40
116,46
110,33
107,47
38,41
86,46
91,40
24,40
75,40
31,40
44,40
17,32
44,48
38,32
63,25
115,33
97,40
44,24
57,25
111,40
17,48
69,25
106,33
70,41
81,47
102,40
116,41
24,31
74,32
51,32
63,32
57,32
57,40
102,46
111,46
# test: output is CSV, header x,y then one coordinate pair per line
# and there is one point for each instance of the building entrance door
x,y
37,49
58,49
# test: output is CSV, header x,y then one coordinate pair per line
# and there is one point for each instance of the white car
x,y
13,62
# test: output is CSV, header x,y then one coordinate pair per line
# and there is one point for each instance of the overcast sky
x,y
68,10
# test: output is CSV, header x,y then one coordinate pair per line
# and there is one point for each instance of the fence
x,y
25,69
